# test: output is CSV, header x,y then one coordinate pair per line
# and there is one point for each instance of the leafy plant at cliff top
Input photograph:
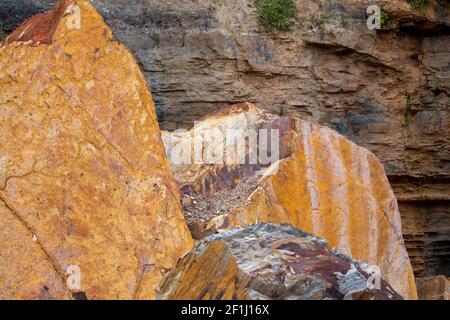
x,y
419,4
323,18
279,14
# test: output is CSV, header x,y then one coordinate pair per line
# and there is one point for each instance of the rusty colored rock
x,y
84,179
433,288
323,184
265,262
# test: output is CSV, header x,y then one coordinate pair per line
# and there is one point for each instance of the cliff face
x,y
387,90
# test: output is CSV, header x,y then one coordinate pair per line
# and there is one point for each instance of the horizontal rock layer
x,y
426,229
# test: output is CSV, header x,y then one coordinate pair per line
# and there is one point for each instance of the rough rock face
x,y
268,261
434,288
84,180
425,230
323,184
386,90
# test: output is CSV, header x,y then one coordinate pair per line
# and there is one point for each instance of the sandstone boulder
x,y
267,261
323,184
89,208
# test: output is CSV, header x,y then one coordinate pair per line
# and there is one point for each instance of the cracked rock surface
x,y
84,179
267,261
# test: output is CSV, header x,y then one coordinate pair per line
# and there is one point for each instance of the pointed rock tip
x,y
41,28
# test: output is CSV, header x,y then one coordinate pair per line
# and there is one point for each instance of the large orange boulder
x,y
322,184
88,206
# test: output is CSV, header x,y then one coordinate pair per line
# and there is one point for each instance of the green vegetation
x,y
408,114
323,18
384,18
419,4
318,22
278,14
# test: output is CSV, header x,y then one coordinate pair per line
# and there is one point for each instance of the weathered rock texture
x,y
84,179
386,90
434,288
268,261
323,184
425,230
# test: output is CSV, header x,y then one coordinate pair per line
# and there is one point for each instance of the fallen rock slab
x,y
268,262
321,183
